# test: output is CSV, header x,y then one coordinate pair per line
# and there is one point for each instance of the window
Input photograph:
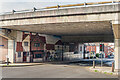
x,y
25,43
80,48
76,52
27,53
58,47
37,44
38,55
65,46
93,48
19,54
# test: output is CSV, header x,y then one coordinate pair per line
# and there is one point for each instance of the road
x,y
51,71
89,62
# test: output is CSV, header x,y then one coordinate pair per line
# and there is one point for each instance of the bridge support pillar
x,y
116,31
117,54
11,50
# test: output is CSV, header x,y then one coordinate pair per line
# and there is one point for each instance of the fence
x,y
57,7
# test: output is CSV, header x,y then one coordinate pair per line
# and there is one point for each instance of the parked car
x,y
101,55
111,57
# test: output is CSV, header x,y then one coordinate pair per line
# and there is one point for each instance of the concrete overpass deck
x,y
92,21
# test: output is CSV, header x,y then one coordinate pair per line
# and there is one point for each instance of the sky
x,y
9,5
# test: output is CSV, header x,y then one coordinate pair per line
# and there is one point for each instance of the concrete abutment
x,y
116,31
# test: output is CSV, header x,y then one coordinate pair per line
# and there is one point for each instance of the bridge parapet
x,y
63,12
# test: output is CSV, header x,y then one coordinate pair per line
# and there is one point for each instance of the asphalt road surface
x,y
51,71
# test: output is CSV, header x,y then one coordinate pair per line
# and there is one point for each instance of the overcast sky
x,y
9,5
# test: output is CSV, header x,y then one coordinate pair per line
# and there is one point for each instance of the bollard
x,y
13,11
7,61
34,9
113,67
93,64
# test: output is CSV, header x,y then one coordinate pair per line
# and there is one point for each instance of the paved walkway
x,y
20,64
57,62
51,71
104,70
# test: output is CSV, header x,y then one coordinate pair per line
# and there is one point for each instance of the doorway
x,y
24,57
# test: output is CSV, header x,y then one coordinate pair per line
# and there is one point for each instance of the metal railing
x,y
57,7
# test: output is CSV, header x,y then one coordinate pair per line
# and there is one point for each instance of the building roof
x,y
59,43
50,46
38,38
25,35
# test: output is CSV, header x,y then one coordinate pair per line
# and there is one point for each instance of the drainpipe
x,y
84,51
30,47
14,51
62,52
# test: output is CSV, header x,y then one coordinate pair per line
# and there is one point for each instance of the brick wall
x,y
4,47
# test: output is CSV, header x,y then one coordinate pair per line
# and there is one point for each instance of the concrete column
x,y
117,54
116,31
11,50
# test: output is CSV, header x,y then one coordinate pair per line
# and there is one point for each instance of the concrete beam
x,y
83,39
5,36
69,28
60,19
116,30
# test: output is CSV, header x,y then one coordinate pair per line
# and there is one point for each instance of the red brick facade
x,y
19,47
50,46
4,46
91,48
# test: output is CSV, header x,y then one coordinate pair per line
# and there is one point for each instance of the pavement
x,y
52,71
104,70
20,64
105,61
32,64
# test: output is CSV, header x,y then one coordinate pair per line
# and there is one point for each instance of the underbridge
x,y
99,23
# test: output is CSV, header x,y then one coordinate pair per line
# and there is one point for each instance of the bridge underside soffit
x,y
69,28
90,29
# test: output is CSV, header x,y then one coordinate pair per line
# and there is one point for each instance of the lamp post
x,y
84,51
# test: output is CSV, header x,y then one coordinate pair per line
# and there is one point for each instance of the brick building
x,y
4,46
94,48
21,46
33,47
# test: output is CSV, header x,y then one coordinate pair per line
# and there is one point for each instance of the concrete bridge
x,y
79,24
